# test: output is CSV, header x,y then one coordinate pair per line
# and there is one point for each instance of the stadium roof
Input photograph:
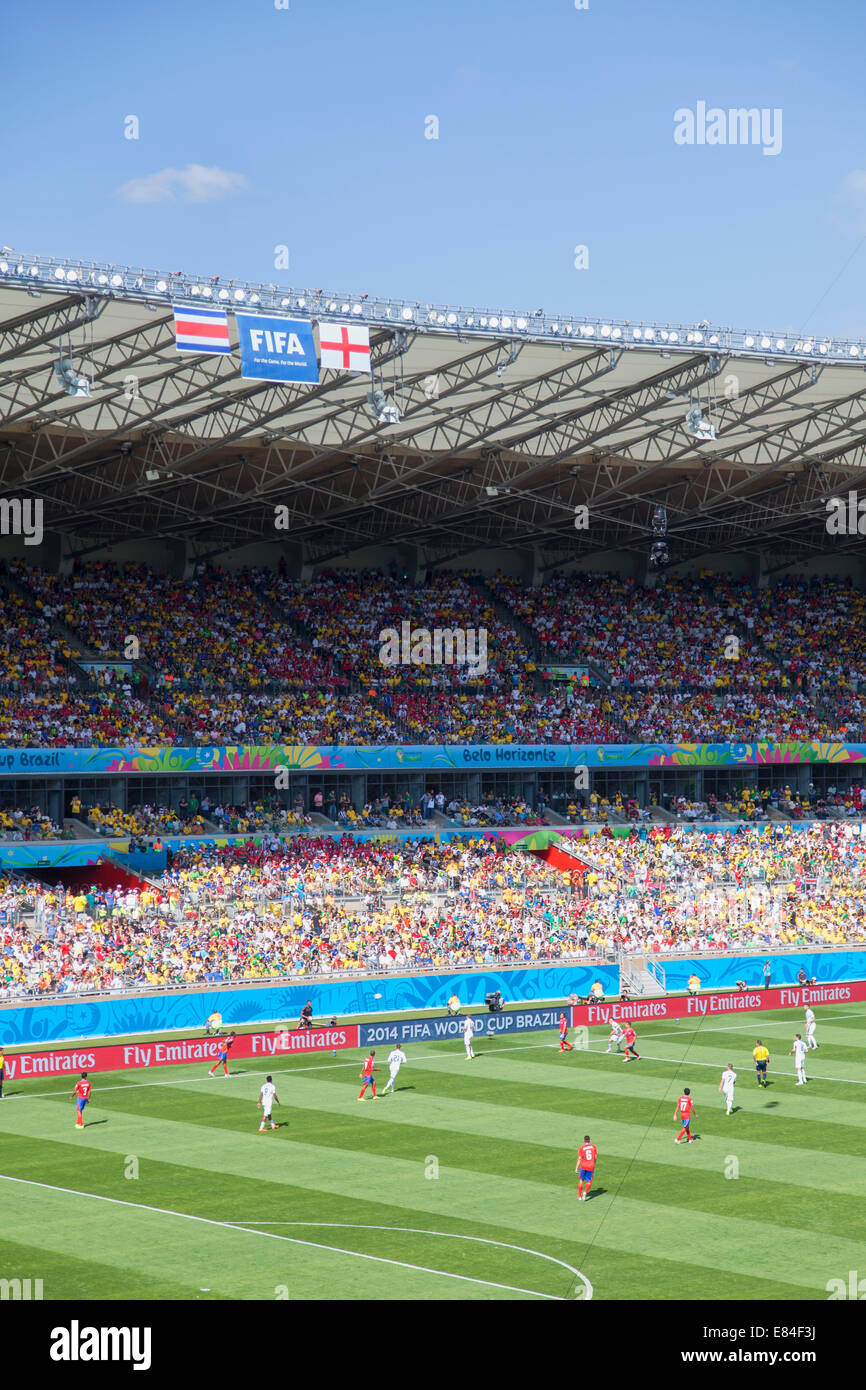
x,y
507,423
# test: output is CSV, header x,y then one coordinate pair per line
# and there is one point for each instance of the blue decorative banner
x,y
407,1030
276,349
420,757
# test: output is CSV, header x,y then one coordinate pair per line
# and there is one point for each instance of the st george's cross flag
x,y
345,347
200,330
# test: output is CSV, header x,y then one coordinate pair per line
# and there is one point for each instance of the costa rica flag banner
x,y
276,349
345,347
200,330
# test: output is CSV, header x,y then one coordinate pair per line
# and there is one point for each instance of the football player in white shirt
x,y
810,1028
468,1034
726,1085
616,1036
799,1051
265,1103
395,1062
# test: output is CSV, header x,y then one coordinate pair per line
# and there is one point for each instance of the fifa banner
x,y
708,1005
276,349
407,1030
263,1047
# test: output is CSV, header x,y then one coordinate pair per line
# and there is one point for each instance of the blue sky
x,y
555,130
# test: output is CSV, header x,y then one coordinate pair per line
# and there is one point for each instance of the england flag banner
x,y
200,330
276,349
345,347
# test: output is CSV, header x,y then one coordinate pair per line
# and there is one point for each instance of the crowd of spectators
x,y
256,657
317,906
28,823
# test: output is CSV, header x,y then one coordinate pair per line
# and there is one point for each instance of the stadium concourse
x,y
314,907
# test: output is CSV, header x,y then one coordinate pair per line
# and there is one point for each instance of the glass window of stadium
x,y
96,791
409,788
155,791
21,793
508,786
450,784
727,783
672,784
631,783
834,775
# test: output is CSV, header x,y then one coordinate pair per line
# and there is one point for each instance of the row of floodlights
x,y
104,279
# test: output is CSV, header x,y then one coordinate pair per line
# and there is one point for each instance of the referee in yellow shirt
x,y
762,1057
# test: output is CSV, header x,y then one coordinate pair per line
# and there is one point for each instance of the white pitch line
x,y
428,1057
295,1240
719,1066
278,1071
448,1235
733,1027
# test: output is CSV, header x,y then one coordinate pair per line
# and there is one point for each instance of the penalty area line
x,y
294,1240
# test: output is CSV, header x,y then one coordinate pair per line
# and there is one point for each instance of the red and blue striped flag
x,y
200,330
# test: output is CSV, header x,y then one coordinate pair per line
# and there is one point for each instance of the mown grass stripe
x,y
763,1248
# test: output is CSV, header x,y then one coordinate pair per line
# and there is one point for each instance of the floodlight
x,y
72,383
697,426
382,411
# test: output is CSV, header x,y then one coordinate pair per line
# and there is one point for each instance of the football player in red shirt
x,y
81,1095
367,1076
563,1034
630,1040
224,1047
585,1169
685,1111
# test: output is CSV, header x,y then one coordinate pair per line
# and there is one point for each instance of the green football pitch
x,y
460,1184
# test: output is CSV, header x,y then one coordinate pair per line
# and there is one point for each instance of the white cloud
x,y
855,182
193,184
